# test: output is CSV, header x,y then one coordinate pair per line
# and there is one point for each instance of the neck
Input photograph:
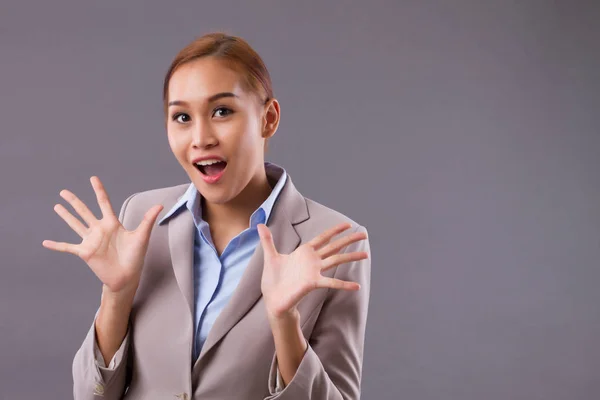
x,y
237,212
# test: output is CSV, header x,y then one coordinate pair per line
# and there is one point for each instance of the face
x,y
211,114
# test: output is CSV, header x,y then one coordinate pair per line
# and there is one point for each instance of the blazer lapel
x,y
289,209
181,246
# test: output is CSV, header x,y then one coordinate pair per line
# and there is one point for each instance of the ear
x,y
271,117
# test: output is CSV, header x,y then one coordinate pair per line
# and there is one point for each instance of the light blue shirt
x,y
216,277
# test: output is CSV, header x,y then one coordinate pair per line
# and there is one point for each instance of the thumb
x,y
145,227
266,239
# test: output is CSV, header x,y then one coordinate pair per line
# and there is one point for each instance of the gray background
x,y
463,134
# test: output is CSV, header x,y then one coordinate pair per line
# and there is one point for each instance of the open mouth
x,y
212,169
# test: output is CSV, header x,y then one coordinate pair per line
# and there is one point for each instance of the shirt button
x,y
99,389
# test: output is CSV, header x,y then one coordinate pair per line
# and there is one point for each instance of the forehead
x,y
201,78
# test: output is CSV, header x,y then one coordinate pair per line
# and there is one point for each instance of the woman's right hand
x,y
113,253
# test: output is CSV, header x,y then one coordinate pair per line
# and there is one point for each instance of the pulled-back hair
x,y
234,51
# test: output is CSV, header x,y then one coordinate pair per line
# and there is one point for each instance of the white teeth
x,y
207,162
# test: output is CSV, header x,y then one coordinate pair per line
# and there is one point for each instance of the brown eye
x,y
176,118
226,111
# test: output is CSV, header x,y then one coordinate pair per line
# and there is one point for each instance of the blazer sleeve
x,y
91,380
332,364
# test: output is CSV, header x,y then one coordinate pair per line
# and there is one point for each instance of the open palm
x,y
113,253
287,278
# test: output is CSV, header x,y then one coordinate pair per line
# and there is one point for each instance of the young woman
x,y
233,286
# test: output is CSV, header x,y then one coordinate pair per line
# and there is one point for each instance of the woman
x,y
243,289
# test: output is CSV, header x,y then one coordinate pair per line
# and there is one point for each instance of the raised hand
x,y
113,253
287,278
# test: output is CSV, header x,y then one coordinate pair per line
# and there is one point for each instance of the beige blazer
x,y
237,360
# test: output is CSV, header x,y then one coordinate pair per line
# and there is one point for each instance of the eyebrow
x,y
212,98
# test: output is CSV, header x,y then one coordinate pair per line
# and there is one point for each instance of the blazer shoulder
x,y
136,205
325,217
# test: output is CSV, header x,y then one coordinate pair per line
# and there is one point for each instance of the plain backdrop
x,y
465,135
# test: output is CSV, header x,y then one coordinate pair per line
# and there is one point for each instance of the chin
x,y
214,194
215,199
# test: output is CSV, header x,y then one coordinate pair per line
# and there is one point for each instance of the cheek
x,y
251,134
247,145
177,142
176,136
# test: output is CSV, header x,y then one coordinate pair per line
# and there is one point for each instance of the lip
x,y
209,157
213,178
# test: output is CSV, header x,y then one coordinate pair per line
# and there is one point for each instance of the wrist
x,y
118,299
284,319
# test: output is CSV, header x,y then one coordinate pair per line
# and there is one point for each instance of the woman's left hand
x,y
287,278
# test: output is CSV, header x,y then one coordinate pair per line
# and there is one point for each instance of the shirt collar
x,y
191,199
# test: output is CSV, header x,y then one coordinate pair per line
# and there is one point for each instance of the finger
x,y
335,283
79,206
337,245
145,227
326,236
73,222
102,197
61,246
266,239
338,259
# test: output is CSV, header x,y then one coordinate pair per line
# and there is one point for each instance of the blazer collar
x,y
289,209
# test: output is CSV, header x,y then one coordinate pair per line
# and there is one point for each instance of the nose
x,y
203,136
